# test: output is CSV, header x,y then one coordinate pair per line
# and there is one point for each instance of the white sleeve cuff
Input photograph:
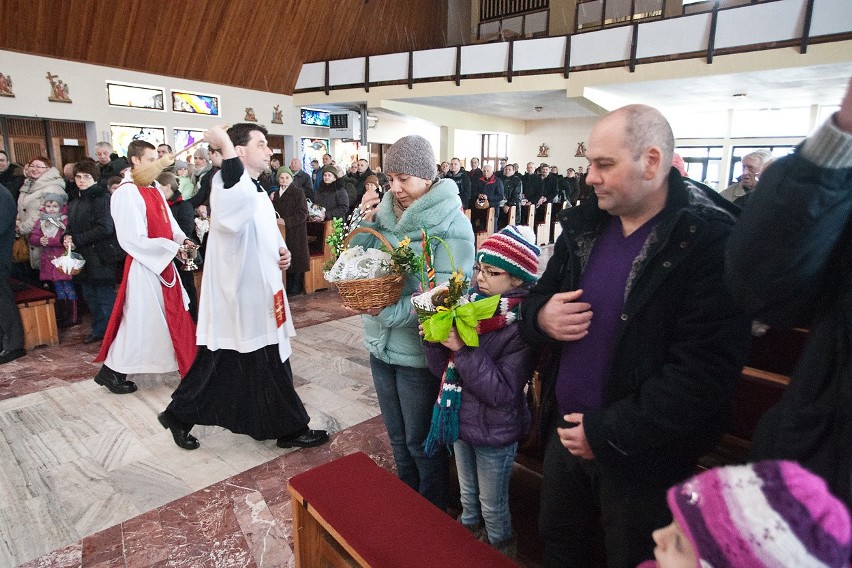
x,y
829,147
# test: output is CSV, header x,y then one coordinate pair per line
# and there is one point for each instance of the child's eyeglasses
x,y
487,272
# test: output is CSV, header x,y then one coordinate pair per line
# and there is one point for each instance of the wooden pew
x,y
482,221
320,253
771,360
508,218
555,226
350,512
542,224
38,316
527,216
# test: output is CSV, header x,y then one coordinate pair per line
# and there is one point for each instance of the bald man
x,y
646,344
301,179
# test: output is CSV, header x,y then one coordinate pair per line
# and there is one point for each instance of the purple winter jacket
x,y
54,249
494,409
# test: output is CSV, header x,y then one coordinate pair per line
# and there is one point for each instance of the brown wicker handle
x,y
373,232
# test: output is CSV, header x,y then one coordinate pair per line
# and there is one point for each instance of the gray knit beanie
x,y
412,155
60,198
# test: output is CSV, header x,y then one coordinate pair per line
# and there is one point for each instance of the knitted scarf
x,y
444,429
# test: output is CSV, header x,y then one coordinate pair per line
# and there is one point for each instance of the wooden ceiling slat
x,y
245,43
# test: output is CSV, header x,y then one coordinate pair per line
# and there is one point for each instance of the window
x,y
499,19
186,136
124,134
135,96
495,147
703,163
596,14
195,103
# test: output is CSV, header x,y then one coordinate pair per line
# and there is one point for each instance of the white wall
x,y
561,136
388,130
468,144
87,90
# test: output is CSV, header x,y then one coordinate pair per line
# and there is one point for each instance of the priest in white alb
x,y
241,377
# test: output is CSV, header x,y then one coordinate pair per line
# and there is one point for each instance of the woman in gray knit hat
x,y
406,390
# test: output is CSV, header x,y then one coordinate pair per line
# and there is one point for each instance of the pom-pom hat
x,y
770,514
512,249
412,155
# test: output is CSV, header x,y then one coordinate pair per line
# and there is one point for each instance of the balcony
x,y
719,31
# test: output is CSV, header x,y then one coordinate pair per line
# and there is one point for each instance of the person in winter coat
x,y
331,194
493,415
291,207
184,215
488,186
42,179
11,330
789,264
405,387
11,175
91,232
48,233
513,191
647,344
458,175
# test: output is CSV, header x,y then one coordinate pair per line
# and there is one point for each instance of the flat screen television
x,y
312,117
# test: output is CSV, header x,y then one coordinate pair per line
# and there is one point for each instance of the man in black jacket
x,y
11,175
790,265
11,330
646,344
301,179
458,175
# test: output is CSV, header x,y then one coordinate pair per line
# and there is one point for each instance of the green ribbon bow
x,y
437,327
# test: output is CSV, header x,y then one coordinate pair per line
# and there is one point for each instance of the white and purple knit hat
x,y
512,249
770,514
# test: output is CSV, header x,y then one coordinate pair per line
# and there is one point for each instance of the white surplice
x,y
241,274
143,343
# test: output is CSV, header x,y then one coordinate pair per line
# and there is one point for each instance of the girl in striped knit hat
x,y
488,381
770,514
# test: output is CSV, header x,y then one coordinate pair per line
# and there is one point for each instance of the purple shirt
x,y
585,363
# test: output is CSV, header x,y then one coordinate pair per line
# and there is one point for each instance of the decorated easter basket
x,y
370,293
70,263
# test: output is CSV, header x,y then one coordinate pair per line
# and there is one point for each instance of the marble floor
x,y
88,478
79,465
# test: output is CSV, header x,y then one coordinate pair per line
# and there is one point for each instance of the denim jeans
x,y
406,398
100,298
484,473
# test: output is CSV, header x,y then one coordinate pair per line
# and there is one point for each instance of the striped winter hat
x,y
512,249
770,514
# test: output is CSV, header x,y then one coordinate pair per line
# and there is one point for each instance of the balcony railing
x,y
754,27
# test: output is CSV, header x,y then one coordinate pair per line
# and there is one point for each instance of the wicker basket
x,y
370,293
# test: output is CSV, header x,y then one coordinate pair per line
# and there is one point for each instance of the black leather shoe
x,y
10,355
309,439
93,339
113,380
180,431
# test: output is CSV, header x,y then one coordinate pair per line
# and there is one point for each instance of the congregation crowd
x,y
639,324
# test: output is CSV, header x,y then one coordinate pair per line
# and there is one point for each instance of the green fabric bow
x,y
437,327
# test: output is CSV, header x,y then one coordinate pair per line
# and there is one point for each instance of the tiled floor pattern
x,y
88,478
76,459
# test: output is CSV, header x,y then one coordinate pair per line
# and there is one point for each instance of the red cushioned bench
x,y
351,512
37,314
